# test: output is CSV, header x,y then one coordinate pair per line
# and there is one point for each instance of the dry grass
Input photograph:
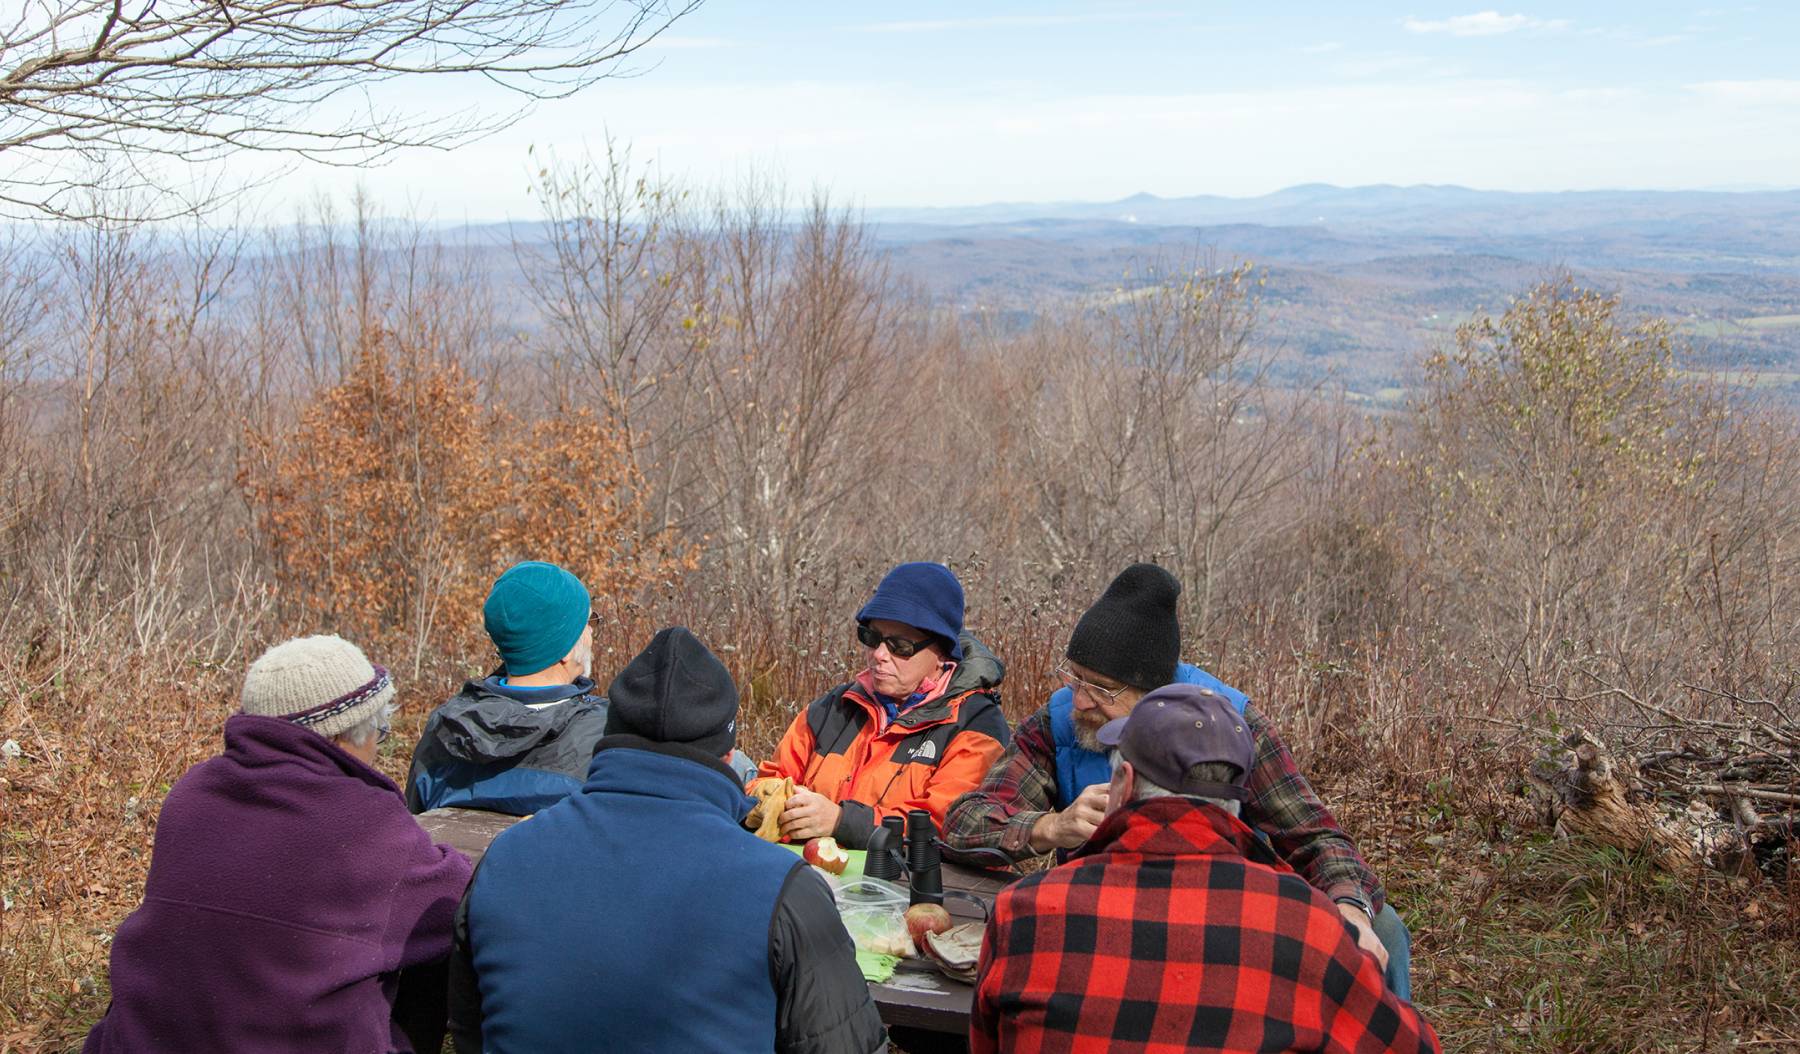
x,y
1528,943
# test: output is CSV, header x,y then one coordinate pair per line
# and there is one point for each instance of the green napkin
x,y
854,869
876,968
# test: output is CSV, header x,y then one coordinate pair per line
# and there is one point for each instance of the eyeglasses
x,y
1074,682
382,733
899,647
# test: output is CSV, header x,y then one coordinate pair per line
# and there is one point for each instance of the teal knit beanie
x,y
535,613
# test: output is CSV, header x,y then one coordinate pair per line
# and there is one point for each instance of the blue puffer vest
x,y
645,894
1077,767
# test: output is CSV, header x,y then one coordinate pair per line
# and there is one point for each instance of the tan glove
x,y
765,816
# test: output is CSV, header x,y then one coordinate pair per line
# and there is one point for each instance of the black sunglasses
x,y
899,647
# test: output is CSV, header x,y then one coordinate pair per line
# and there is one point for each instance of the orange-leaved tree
x,y
583,504
398,495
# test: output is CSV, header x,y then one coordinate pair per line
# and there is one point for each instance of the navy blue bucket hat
x,y
922,595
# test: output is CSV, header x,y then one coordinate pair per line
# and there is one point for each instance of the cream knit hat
x,y
323,683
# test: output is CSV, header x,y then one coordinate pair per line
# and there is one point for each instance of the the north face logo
x,y
928,752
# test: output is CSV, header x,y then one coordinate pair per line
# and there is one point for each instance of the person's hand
x,y
1072,826
808,814
1365,933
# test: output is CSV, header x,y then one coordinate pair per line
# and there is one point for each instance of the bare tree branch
x,y
196,81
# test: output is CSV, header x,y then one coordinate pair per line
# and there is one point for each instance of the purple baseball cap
x,y
1179,726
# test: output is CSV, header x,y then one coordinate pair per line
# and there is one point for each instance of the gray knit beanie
x,y
323,683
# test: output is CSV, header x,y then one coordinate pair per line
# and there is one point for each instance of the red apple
x,y
922,919
824,854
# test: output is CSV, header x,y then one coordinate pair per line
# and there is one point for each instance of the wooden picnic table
x,y
917,996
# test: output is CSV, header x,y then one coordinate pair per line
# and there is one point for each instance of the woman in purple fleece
x,y
288,883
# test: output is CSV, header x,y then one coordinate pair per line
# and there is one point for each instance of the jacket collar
x,y
485,723
256,741
1177,826
979,671
629,764
930,712
491,686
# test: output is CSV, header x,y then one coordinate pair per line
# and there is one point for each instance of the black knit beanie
x,y
675,691
1131,634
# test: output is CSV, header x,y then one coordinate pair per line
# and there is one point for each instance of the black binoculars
x,y
921,861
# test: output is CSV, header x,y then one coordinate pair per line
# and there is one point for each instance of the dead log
x,y
1592,795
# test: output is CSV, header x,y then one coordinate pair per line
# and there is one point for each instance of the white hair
x,y
369,729
1206,771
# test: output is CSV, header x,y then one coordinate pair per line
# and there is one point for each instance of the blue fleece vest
x,y
1078,768
633,915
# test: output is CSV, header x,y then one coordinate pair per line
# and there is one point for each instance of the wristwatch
x,y
1359,901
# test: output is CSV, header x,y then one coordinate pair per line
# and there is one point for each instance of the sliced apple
x,y
826,855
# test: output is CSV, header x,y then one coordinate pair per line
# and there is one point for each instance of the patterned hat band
x,y
349,701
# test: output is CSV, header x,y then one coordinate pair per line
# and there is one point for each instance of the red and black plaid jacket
x,y
1174,929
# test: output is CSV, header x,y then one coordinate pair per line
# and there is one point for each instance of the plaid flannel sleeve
x,y
1018,789
1302,830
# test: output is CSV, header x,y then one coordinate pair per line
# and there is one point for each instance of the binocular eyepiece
x,y
908,846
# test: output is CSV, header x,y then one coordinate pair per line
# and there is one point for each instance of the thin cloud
x,y
1756,93
938,25
1362,67
686,43
995,21
1482,24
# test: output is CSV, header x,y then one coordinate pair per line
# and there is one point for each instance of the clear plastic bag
x,y
874,913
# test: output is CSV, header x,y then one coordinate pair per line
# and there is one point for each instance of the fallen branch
x,y
1760,794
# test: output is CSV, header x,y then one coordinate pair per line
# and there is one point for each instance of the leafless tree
x,y
23,307
802,331
1156,430
608,281
322,284
120,85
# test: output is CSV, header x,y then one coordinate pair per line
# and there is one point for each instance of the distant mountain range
x,y
1447,211
1364,280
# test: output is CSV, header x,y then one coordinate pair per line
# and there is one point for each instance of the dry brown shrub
x,y
586,504
400,494
747,426
371,507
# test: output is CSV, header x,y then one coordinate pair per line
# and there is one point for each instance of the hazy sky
x,y
929,103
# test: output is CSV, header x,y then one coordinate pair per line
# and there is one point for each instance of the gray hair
x,y
1205,772
369,729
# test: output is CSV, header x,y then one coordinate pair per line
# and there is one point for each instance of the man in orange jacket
x,y
919,725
